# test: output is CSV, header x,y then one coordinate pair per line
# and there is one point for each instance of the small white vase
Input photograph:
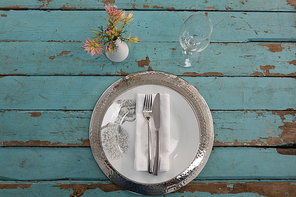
x,y
120,54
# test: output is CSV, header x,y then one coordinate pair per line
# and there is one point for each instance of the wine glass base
x,y
184,58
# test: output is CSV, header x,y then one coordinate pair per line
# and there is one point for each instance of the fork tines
x,y
148,102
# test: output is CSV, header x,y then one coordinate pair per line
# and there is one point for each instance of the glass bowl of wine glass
x,y
194,36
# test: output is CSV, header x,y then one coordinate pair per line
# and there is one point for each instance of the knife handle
x,y
150,165
156,160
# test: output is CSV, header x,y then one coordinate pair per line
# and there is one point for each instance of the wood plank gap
x,y
212,42
214,110
187,75
107,181
141,10
45,110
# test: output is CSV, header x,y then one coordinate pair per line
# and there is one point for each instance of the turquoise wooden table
x,y
49,87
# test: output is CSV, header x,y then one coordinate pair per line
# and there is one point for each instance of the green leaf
x,y
95,32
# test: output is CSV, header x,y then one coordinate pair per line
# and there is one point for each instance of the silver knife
x,y
156,116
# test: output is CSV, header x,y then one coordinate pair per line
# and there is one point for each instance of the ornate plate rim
x,y
198,105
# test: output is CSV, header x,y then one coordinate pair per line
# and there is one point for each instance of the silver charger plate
x,y
188,108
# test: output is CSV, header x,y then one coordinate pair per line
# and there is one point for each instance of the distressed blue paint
x,y
233,59
71,127
55,127
82,92
272,5
75,26
246,93
243,127
235,92
205,194
35,163
52,189
44,189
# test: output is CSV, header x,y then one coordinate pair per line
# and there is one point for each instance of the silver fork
x,y
147,113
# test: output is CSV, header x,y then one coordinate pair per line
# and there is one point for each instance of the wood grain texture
x,y
219,59
70,128
272,5
35,163
75,26
82,92
106,188
246,75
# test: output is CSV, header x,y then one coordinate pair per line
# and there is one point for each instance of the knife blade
x,y
156,117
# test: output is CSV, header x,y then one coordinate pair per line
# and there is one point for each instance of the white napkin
x,y
141,139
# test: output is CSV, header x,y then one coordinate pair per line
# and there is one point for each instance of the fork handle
x,y
150,165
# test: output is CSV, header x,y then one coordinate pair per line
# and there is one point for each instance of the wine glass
x,y
195,35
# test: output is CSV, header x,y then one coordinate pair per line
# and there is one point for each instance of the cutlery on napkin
x,y
141,138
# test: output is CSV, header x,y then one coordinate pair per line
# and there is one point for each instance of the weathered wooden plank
x,y
272,5
73,26
106,188
70,128
45,128
220,59
82,92
35,163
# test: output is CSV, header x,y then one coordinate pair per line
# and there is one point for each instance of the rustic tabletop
x,y
49,87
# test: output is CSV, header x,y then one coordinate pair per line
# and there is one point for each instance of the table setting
x,y
180,138
156,98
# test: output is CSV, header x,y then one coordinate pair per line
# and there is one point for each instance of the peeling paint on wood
x,y
35,114
60,94
272,47
64,7
246,128
89,74
45,3
145,62
286,151
196,188
292,62
158,7
229,97
39,143
289,128
266,69
202,74
149,68
275,189
79,189
25,163
253,5
121,72
284,134
62,53
238,31
15,7
292,3
266,72
211,8
171,8
106,2
14,186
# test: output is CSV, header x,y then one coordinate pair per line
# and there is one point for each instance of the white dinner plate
x,y
113,127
